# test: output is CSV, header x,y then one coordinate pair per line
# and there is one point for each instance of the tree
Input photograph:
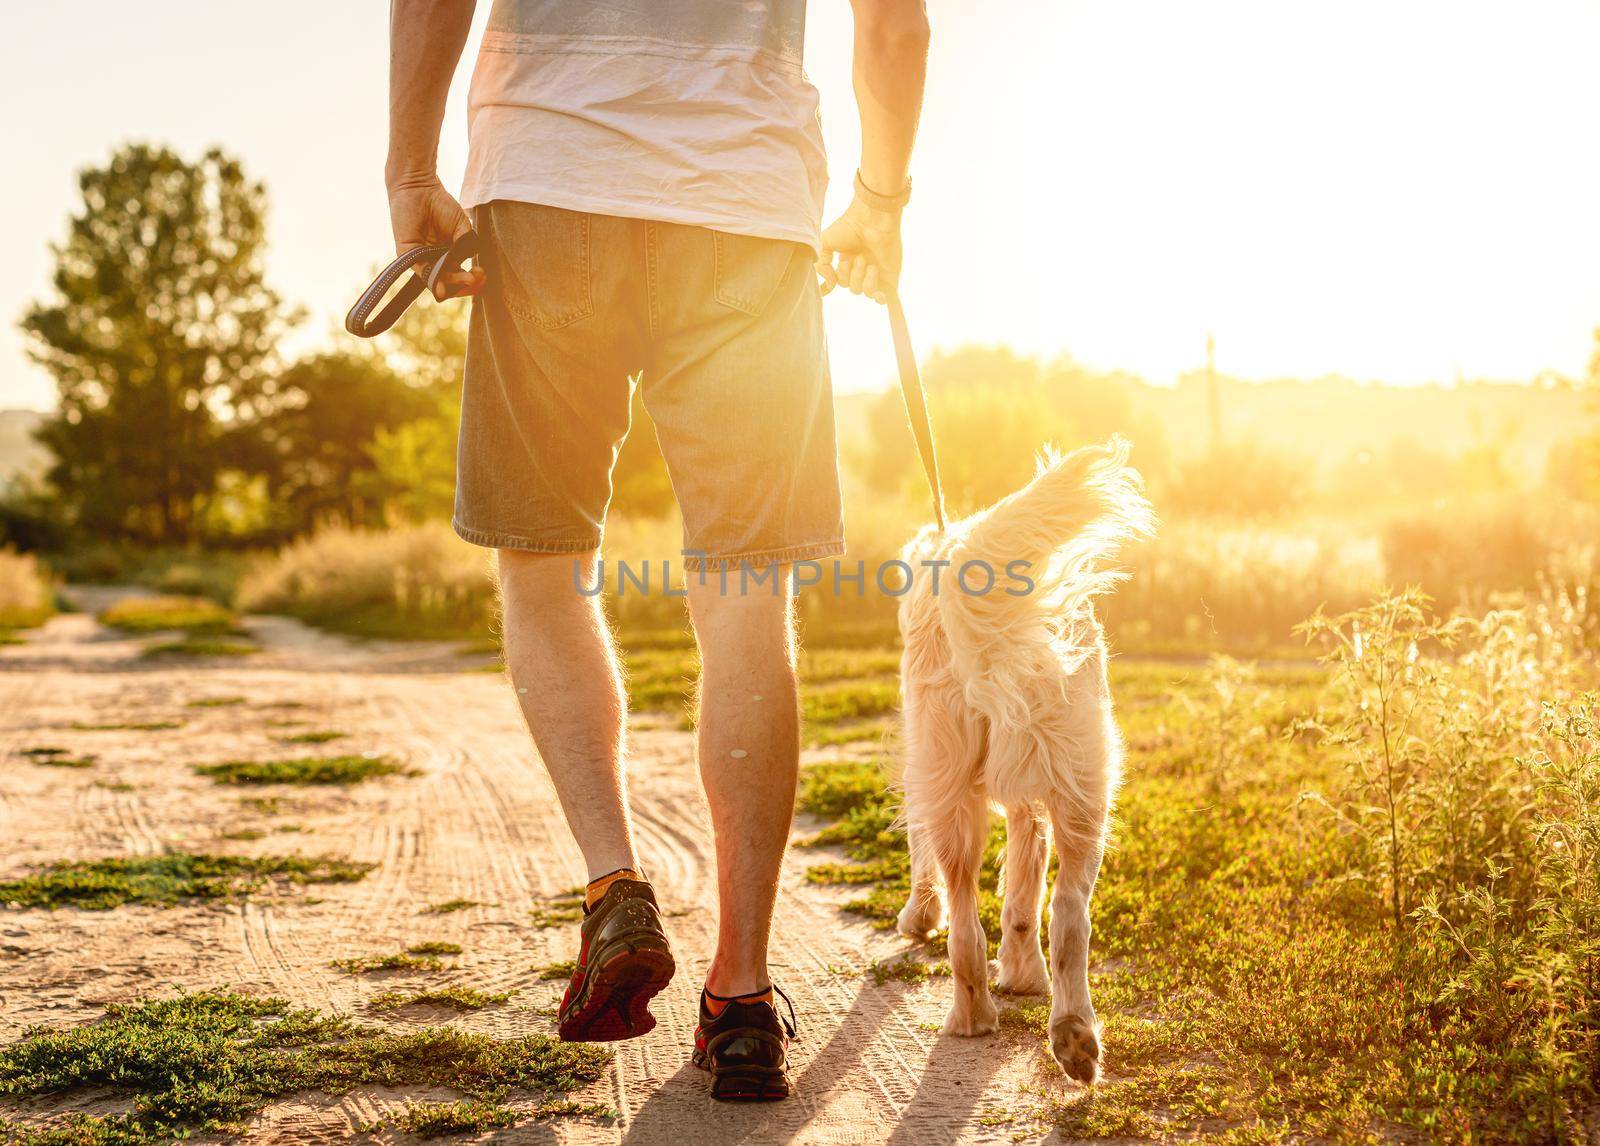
x,y
158,339
318,445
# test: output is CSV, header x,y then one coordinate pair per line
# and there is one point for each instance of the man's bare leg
x,y
749,749
560,656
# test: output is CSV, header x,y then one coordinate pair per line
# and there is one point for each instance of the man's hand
x,y
423,214
866,243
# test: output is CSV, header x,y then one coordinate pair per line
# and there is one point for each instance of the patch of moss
x,y
199,647
320,737
310,770
65,761
99,885
465,1116
207,1062
459,998
561,970
400,961
557,914
245,834
141,726
435,947
907,970
193,615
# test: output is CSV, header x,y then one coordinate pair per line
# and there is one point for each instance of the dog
x,y
1005,702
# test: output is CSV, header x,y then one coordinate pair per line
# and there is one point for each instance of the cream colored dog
x,y
1006,702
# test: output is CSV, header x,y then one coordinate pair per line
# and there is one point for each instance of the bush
x,y
197,616
26,595
416,581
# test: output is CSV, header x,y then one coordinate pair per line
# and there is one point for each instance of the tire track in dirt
x,y
480,821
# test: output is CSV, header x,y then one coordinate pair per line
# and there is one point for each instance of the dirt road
x,y
477,821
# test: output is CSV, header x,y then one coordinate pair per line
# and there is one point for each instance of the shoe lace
x,y
791,1025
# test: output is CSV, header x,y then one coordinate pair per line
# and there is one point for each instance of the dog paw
x,y
1023,980
1075,1046
920,920
980,1018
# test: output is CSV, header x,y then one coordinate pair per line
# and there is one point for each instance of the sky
x,y
1400,190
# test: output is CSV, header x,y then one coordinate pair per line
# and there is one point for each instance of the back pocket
x,y
750,270
543,262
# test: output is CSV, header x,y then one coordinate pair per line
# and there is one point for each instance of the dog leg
x,y
1022,969
958,838
1074,1035
923,914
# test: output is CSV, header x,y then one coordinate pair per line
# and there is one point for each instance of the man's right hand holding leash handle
x,y
861,249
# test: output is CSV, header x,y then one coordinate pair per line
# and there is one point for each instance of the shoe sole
x,y
615,1003
746,1083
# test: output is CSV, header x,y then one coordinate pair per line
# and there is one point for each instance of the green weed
x,y
141,726
99,885
453,905
435,947
197,616
457,998
207,1062
311,770
465,1116
321,737
557,971
400,961
199,647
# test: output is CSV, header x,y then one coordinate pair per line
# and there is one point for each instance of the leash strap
x,y
452,257
905,357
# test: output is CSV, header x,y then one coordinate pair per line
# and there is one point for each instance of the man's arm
x,y
890,70
425,42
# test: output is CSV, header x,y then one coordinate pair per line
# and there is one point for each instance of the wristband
x,y
882,202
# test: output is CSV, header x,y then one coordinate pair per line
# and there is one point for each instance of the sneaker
x,y
624,963
745,1047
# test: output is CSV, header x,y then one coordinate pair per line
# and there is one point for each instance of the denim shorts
x,y
723,333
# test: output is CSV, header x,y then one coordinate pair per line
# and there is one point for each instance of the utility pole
x,y
1213,394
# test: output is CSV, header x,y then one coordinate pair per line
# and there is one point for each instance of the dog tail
x,y
1054,538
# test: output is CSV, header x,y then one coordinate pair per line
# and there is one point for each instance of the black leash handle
x,y
905,357
452,257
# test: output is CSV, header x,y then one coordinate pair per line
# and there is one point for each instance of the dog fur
x,y
1006,703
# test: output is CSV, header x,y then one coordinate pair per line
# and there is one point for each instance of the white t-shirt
x,y
682,111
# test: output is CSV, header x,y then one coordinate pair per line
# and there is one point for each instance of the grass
x,y
53,757
207,1062
216,702
320,737
303,772
456,998
560,910
131,726
449,906
27,598
1297,935
199,647
907,970
435,947
398,961
417,957
464,1116
557,971
197,616
265,805
167,880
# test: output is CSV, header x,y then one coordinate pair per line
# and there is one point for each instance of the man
x,y
646,181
